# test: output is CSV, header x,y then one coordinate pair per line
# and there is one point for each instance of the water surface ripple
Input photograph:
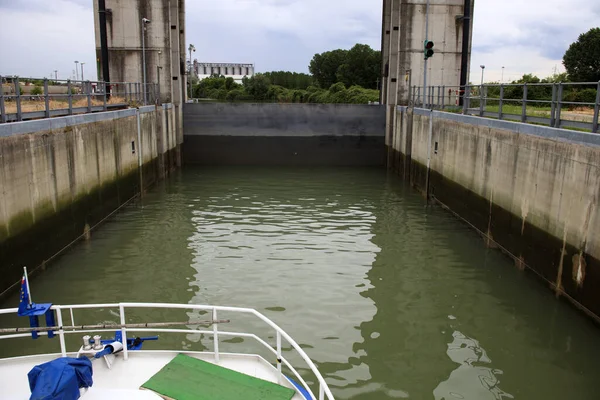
x,y
391,298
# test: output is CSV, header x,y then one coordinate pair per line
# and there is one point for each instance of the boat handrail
x,y
324,391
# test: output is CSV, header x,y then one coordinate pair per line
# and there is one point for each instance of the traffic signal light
x,y
428,48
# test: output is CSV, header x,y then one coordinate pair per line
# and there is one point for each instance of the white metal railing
x,y
324,391
540,103
31,98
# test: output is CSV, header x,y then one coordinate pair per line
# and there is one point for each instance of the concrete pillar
x,y
392,80
182,46
394,49
175,54
385,48
176,76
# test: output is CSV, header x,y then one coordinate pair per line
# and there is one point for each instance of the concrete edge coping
x,y
40,125
147,109
280,105
564,135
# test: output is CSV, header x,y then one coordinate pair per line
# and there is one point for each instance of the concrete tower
x,y
403,34
164,44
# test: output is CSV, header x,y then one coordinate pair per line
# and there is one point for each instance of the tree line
x,y
338,76
259,88
571,93
353,76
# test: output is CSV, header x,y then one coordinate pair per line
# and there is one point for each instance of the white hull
x,y
123,380
120,376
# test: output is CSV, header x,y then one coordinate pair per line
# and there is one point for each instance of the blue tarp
x,y
60,379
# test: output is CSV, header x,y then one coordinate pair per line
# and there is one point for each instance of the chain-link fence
x,y
559,105
29,98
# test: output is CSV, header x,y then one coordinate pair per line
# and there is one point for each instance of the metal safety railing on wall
x,y
284,349
29,98
558,105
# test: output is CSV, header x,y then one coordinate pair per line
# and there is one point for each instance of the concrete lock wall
x,y
284,134
62,176
531,190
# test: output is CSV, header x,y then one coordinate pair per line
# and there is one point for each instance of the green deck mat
x,y
189,378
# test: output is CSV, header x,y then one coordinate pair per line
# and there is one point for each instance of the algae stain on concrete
x,y
561,265
579,267
3,232
20,222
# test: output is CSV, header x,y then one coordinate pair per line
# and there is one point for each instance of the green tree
x,y
37,90
235,95
257,86
207,87
582,59
230,83
290,80
324,66
534,92
557,78
362,67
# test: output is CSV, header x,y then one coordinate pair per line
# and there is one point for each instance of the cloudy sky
x,y
40,36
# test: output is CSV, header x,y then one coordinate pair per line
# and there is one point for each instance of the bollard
x,y
3,117
559,98
553,106
596,110
88,89
104,95
501,101
70,96
524,108
481,101
46,99
18,94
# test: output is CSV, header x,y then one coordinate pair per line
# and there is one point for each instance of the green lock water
x,y
390,297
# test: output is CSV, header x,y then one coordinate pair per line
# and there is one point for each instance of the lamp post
x,y
191,48
76,71
55,74
502,81
82,70
144,22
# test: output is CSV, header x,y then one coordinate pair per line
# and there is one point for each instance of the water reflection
x,y
294,245
470,380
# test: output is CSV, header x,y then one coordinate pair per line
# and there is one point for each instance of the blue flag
x,y
24,297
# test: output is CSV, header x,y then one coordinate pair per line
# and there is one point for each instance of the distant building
x,y
204,70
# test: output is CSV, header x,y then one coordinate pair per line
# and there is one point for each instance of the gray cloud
x,y
284,34
280,34
39,5
528,37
